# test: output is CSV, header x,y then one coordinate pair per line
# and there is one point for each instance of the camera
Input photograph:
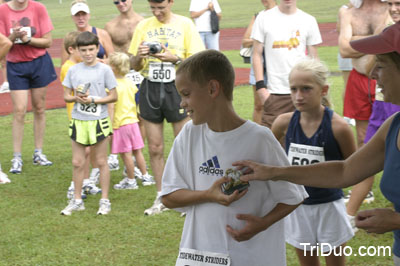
x,y
155,47
235,183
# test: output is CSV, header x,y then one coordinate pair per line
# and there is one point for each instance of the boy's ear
x,y
71,50
214,88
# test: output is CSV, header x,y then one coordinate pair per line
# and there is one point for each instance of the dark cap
x,y
387,41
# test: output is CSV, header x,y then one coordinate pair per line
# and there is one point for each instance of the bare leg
x,y
155,141
20,103
141,162
128,162
78,163
142,129
100,151
360,190
307,258
177,126
39,121
333,260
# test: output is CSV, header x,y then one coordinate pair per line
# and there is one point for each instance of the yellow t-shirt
x,y
125,108
63,72
180,37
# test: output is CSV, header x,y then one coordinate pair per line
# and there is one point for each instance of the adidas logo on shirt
x,y
211,167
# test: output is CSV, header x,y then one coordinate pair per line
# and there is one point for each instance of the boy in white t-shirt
x,y
201,157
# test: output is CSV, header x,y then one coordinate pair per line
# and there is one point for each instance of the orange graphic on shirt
x,y
293,42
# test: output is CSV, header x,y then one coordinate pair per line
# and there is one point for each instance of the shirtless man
x,y
359,21
121,28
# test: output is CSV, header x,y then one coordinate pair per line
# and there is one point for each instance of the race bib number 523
x,y
93,109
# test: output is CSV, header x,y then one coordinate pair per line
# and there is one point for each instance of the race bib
x,y
192,257
136,77
300,154
161,72
93,109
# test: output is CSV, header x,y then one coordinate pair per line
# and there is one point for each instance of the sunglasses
x,y
117,2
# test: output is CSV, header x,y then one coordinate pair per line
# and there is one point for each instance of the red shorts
x,y
127,138
359,97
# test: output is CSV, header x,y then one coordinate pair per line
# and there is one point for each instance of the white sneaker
x,y
16,165
40,159
90,188
73,205
148,180
105,207
4,178
5,87
113,163
126,183
138,173
71,192
95,176
157,208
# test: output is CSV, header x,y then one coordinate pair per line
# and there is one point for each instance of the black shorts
x,y
159,101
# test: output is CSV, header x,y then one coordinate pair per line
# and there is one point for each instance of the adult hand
x,y
378,221
143,51
253,226
215,193
254,171
166,55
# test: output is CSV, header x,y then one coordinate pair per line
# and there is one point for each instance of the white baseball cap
x,y
79,7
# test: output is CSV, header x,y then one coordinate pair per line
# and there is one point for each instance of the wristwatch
x,y
177,62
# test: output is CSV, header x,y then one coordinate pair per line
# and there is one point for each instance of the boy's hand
x,y
253,226
215,193
83,98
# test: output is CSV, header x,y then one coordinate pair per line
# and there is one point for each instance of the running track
x,y
230,39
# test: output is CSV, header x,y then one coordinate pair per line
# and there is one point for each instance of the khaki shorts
x,y
89,132
275,105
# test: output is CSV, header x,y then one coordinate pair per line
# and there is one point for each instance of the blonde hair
x,y
319,72
120,62
70,40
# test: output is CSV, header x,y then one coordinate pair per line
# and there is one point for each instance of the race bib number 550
x,y
161,72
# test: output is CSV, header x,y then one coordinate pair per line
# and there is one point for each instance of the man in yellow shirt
x,y
159,44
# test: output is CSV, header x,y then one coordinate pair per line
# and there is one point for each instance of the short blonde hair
x,y
70,40
318,70
120,62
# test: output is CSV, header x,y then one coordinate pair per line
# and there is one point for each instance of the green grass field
x,y
33,233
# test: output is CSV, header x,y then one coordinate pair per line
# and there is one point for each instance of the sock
x,y
158,194
78,201
17,154
38,151
114,156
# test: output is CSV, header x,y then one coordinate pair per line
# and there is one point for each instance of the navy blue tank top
x,y
390,182
101,52
322,146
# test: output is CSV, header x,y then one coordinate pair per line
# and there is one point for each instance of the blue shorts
x,y
31,74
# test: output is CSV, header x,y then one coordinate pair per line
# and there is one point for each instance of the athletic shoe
x,y
90,188
16,165
137,173
113,163
73,205
40,159
70,193
157,208
4,87
368,199
352,223
147,180
126,183
95,176
105,207
4,178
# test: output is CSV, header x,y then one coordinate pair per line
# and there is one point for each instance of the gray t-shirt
x,y
100,77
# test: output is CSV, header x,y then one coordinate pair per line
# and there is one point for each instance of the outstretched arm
x,y
255,225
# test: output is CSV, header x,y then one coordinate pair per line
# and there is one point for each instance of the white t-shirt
x,y
285,38
203,22
198,158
